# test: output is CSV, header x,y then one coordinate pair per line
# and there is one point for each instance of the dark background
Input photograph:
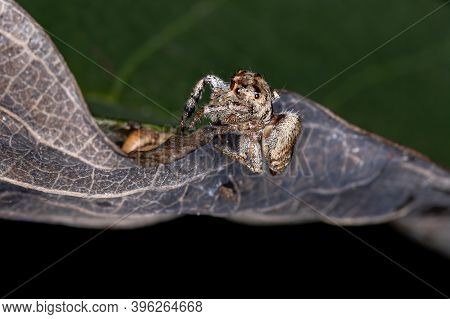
x,y
161,48
200,257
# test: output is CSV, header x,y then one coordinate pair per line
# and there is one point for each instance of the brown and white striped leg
x,y
213,82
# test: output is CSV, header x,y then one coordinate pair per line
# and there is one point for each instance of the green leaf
x,y
162,48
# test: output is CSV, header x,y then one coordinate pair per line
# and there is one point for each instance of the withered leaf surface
x,y
58,166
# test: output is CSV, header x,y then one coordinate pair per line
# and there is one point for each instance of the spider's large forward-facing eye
x,y
256,95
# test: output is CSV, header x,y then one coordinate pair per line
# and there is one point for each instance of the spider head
x,y
253,92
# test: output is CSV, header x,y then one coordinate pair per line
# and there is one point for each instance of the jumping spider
x,y
242,107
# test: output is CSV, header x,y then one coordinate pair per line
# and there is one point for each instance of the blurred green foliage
x,y
162,48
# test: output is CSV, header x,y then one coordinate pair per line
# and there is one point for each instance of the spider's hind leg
x,y
214,83
249,153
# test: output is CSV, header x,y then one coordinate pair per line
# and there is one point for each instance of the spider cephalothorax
x,y
244,107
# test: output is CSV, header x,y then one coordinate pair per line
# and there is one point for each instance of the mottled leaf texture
x,y
58,166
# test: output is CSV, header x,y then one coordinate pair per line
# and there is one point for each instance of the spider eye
x,y
256,95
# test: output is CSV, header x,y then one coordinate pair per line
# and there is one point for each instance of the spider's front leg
x,y
213,82
175,147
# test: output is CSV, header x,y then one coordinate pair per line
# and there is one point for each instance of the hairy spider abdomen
x,y
279,138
